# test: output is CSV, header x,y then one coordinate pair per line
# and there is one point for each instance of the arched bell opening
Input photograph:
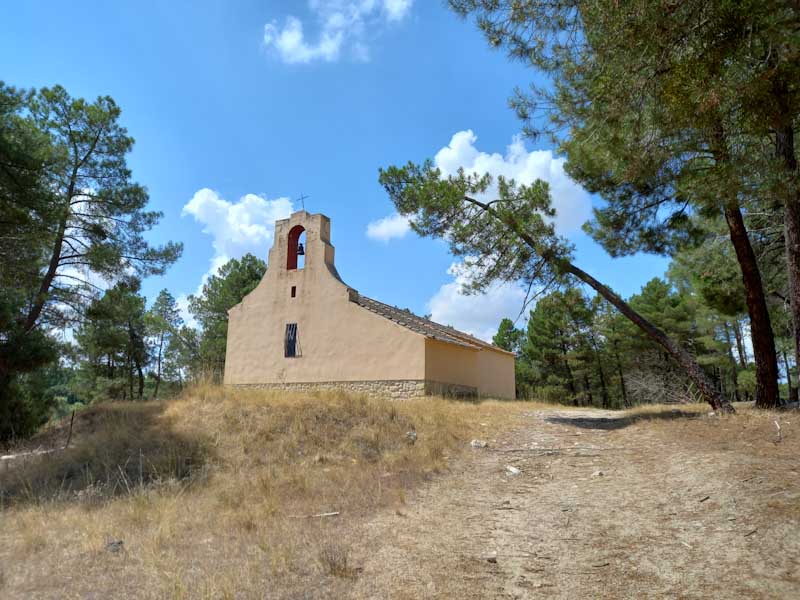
x,y
295,255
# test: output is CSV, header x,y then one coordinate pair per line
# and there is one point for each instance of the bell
x,y
300,251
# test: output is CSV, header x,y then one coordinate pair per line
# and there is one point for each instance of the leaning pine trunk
x,y
682,357
693,371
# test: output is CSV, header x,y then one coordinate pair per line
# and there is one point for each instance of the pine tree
x,y
664,111
508,337
113,343
163,322
223,290
71,221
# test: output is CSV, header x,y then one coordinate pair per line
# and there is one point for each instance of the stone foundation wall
x,y
394,389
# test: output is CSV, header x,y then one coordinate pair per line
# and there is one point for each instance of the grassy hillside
x,y
230,495
216,492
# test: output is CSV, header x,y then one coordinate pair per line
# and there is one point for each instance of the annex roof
x,y
426,327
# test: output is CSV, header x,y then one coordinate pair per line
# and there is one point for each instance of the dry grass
x,y
748,449
213,494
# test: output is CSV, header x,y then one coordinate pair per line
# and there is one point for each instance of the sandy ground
x,y
603,507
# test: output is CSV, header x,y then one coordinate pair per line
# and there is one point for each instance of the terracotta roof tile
x,y
426,327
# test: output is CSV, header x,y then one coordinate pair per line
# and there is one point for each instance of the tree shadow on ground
x,y
624,420
115,449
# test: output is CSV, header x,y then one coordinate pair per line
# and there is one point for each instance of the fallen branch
x,y
39,451
326,514
36,452
69,437
780,434
523,449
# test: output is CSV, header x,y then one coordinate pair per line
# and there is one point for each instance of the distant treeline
x,y
575,348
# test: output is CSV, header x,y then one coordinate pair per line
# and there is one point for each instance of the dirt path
x,y
603,506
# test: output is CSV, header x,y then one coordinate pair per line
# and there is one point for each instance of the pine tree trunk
x,y
737,333
619,371
140,375
601,374
621,380
52,268
734,374
784,142
792,233
55,257
130,378
767,393
792,389
570,380
158,365
785,155
588,385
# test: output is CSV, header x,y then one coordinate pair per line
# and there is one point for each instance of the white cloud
x,y
344,25
396,9
292,47
571,201
478,314
387,228
236,228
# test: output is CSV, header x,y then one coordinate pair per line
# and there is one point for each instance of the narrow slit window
x,y
294,291
290,341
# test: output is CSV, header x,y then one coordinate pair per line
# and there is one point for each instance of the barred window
x,y
290,344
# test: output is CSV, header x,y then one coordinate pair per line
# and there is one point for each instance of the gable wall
x,y
338,340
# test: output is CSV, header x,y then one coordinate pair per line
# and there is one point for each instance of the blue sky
x,y
239,107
